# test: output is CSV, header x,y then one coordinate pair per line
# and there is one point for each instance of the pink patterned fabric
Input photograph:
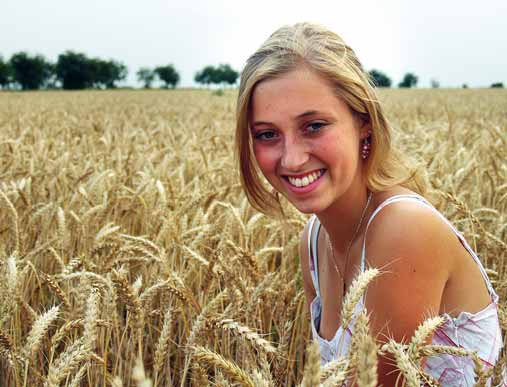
x,y
473,331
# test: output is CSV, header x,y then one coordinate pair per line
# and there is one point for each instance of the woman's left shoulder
x,y
411,229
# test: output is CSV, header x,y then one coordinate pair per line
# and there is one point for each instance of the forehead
x,y
291,93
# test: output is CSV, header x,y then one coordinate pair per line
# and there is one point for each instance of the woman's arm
x,y
413,249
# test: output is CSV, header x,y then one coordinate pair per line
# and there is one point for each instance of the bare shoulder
x,y
413,247
412,231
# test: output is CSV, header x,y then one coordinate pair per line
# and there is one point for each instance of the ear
x,y
363,124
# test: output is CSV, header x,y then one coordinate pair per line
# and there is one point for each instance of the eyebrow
x,y
299,116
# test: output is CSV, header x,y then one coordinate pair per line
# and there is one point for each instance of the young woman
x,y
309,120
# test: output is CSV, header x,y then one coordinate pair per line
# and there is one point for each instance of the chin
x,y
309,208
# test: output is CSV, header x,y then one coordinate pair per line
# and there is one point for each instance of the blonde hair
x,y
324,52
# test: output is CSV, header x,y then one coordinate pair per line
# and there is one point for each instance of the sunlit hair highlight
x,y
324,52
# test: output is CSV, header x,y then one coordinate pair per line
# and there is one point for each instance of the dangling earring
x,y
366,146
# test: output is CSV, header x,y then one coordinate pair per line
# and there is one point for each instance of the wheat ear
x,y
403,362
259,379
68,361
231,369
12,276
355,292
366,352
139,375
336,379
91,316
162,344
132,301
481,375
430,350
199,376
335,366
76,381
311,377
57,290
200,323
39,329
500,370
69,326
243,331
8,351
60,216
423,331
13,217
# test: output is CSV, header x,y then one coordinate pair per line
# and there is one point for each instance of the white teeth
x,y
308,179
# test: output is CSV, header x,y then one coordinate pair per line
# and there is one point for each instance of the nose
x,y
295,154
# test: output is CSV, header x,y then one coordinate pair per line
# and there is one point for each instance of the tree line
x,y
71,71
380,79
74,70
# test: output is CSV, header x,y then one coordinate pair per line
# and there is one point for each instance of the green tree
x,y
146,76
497,85
77,71
5,74
105,73
206,76
30,72
74,70
379,78
409,80
168,75
225,74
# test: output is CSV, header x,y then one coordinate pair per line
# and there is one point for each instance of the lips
x,y
304,180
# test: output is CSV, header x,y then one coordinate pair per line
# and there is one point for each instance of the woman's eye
x,y
315,127
265,136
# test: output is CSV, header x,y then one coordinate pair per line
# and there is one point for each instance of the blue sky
x,y
454,42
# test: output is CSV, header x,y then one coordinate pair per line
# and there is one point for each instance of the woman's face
x,y
306,140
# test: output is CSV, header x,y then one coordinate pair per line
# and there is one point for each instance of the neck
x,y
342,218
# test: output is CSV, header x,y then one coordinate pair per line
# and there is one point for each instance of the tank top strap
x,y
313,234
423,201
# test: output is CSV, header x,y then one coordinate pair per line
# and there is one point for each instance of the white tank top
x,y
479,331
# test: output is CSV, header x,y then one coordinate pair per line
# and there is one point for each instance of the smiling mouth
x,y
301,182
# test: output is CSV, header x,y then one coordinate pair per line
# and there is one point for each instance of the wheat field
x,y
129,255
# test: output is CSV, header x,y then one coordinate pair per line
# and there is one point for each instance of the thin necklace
x,y
350,244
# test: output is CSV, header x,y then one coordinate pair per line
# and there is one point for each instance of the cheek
x,y
266,158
337,153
